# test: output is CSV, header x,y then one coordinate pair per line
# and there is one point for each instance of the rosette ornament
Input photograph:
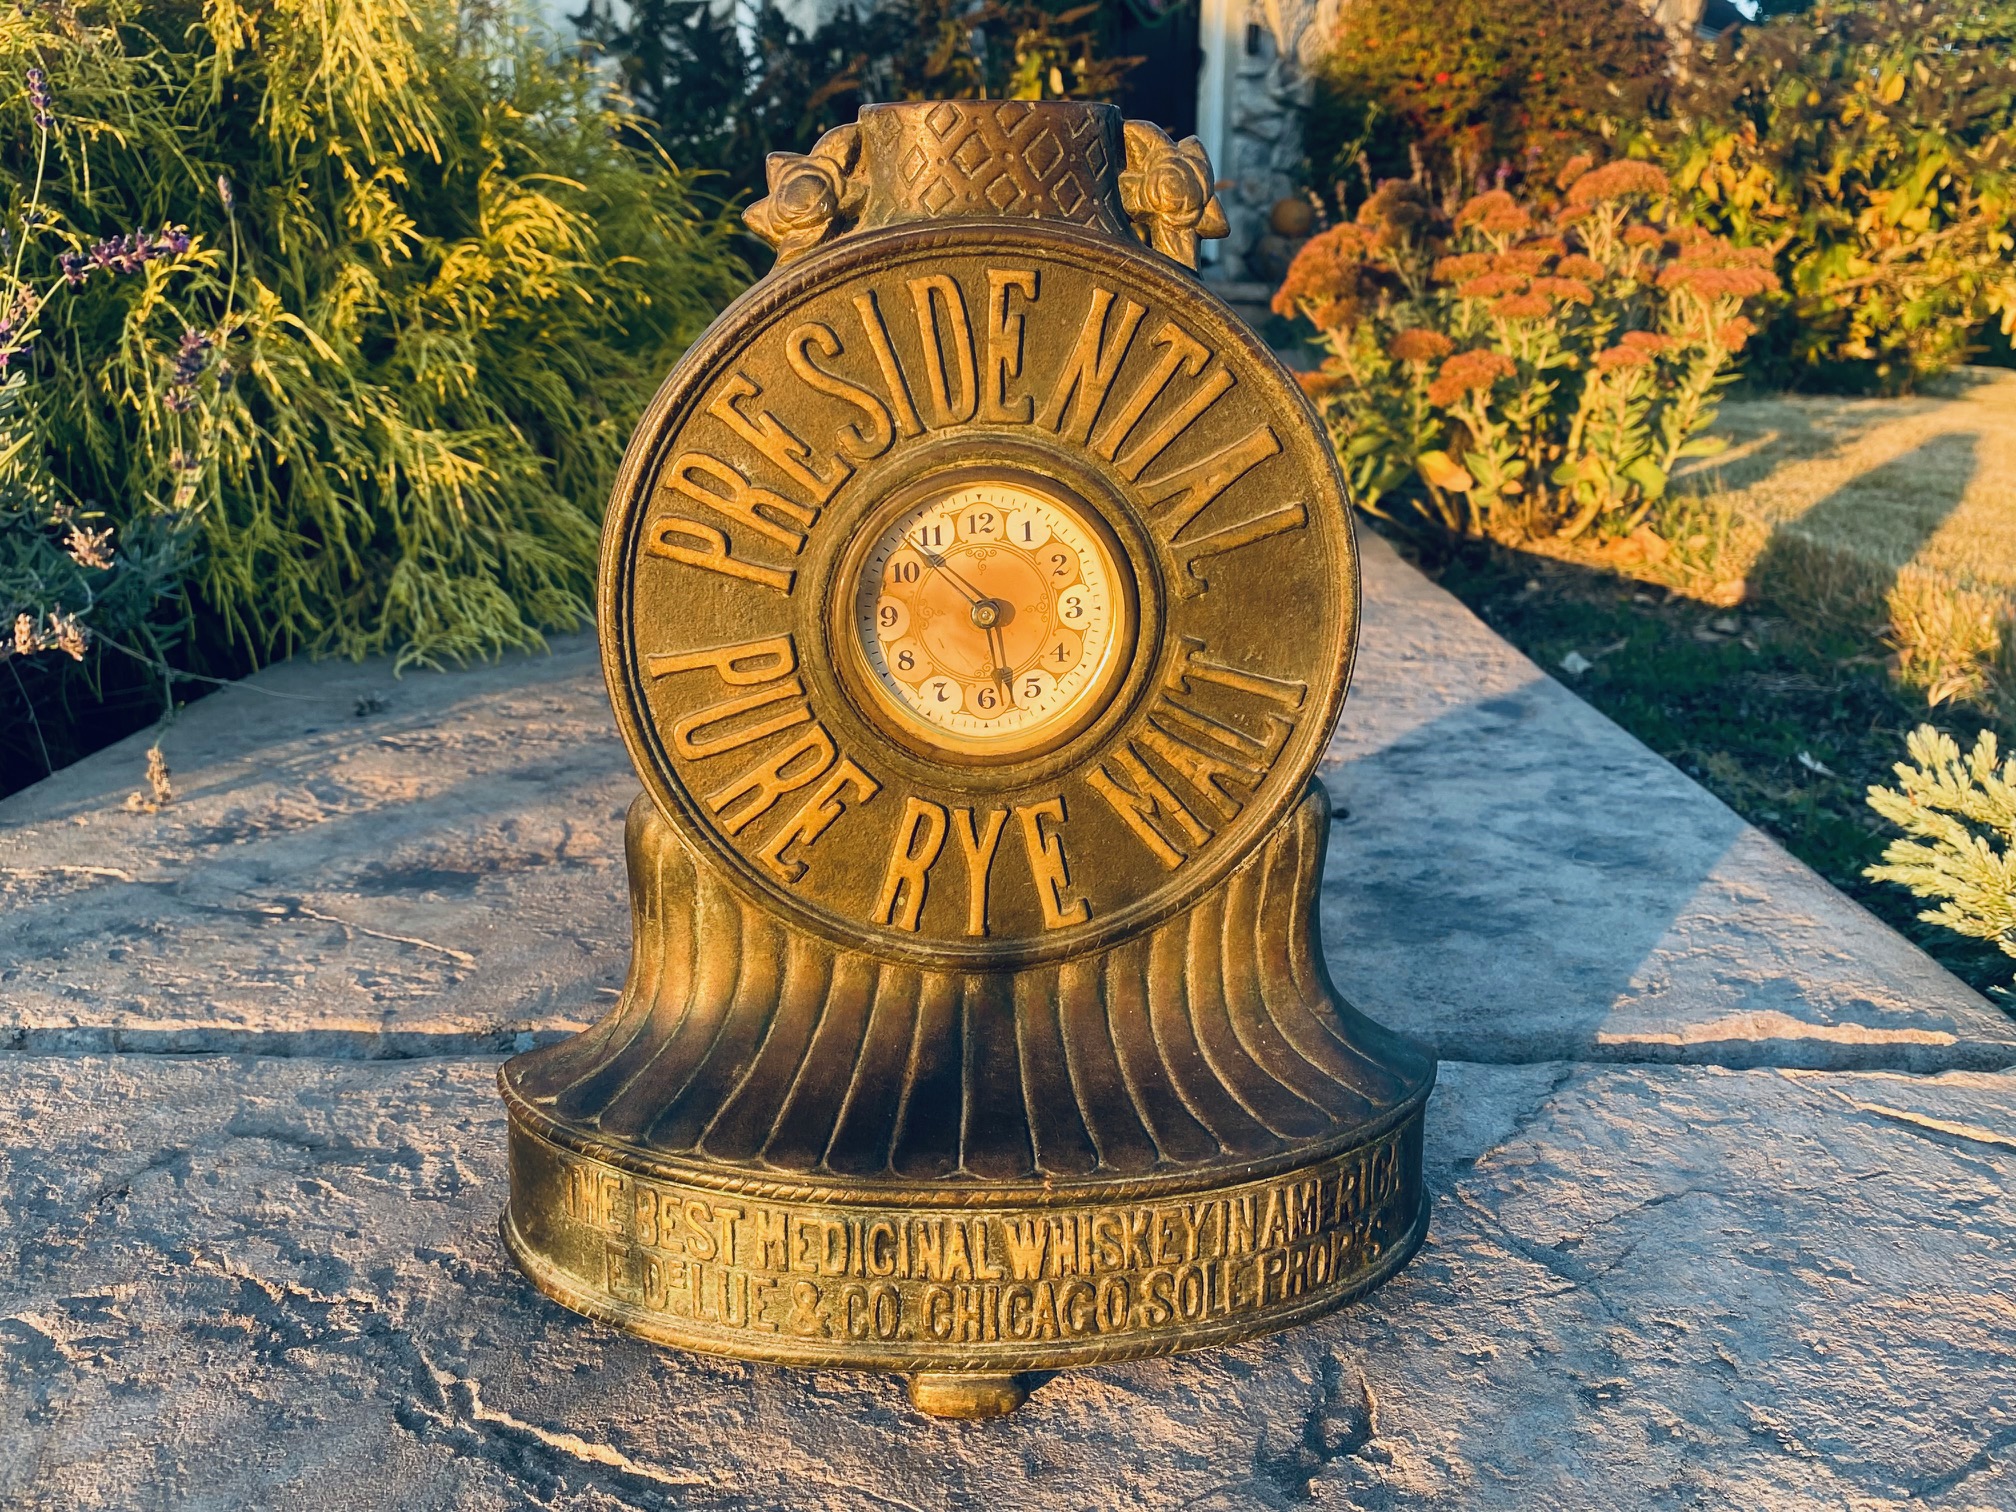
x,y
813,196
1169,193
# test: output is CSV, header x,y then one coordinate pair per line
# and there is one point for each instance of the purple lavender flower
x,y
224,195
75,267
174,239
190,361
38,99
123,254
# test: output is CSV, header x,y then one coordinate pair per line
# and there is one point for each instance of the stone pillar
x,y
1259,56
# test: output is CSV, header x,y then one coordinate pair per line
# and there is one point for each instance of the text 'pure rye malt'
x,y
977,598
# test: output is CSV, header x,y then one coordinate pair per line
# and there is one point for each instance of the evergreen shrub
x,y
1475,94
427,280
1871,145
1958,816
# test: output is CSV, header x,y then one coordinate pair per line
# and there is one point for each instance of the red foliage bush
x,y
1469,93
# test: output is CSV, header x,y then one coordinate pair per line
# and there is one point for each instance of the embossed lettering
x,y
686,732
1004,346
929,295
978,844
815,816
750,664
1203,762
785,771
1135,1268
1046,864
1089,371
920,835
1134,461
863,439
767,434
900,403
1277,522
712,552
1179,496
1181,352
741,665
1144,802
1193,663
711,482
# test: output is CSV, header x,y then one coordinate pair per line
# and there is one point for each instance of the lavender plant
x,y
69,577
373,402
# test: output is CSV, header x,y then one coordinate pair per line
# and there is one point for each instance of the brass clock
x,y
977,599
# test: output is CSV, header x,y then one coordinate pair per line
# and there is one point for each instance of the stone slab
x,y
1515,878
353,863
276,1283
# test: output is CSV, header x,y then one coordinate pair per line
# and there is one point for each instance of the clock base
x,y
778,1149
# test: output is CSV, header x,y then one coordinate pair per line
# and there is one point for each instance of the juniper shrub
x,y
366,390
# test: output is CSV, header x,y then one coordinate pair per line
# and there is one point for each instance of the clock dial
x,y
991,617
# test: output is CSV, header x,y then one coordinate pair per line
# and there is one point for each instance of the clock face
x,y
991,617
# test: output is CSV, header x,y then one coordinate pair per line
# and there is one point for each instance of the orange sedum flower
x,y
1527,260
1568,290
1496,213
1419,344
1616,181
1470,372
1324,280
1610,359
1462,266
1491,286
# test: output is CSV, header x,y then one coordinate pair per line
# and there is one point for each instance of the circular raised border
x,y
674,405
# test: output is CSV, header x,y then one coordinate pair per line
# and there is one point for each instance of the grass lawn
x,y
1770,653
1902,509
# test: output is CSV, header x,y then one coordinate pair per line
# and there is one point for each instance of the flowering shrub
x,y
1870,144
1463,91
1510,370
375,398
64,580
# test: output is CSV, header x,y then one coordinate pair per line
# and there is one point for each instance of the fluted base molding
x,y
777,1150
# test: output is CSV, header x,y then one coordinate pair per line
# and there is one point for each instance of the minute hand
x,y
1002,675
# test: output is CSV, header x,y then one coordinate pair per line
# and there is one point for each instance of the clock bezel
x,y
883,710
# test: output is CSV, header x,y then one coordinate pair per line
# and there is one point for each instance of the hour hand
x,y
937,564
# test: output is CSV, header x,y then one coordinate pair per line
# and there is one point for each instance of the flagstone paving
x,y
1722,1167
